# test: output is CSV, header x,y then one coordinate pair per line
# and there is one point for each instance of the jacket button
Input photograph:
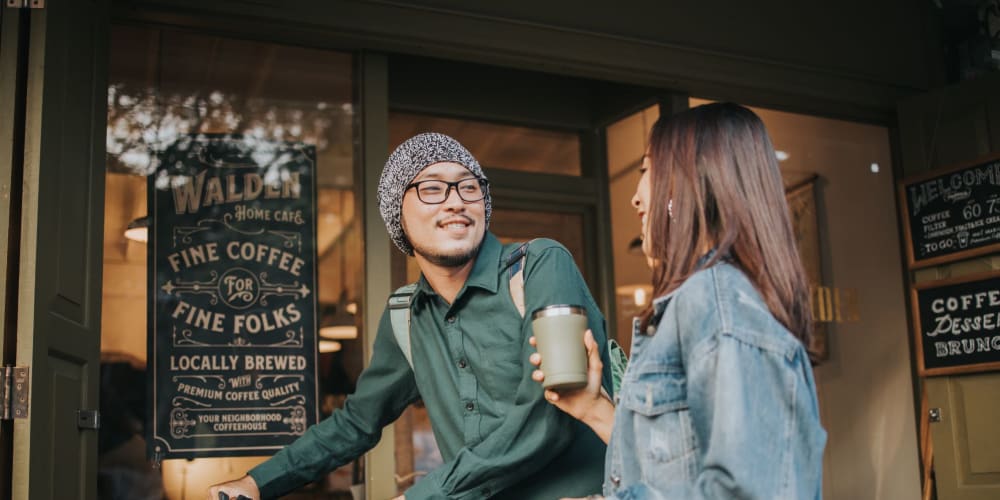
x,y
469,406
616,480
462,363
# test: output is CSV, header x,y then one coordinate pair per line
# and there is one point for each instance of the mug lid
x,y
558,310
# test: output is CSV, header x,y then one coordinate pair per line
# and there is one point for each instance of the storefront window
x,y
169,88
840,194
507,147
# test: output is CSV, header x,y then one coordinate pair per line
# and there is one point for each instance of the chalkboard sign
x,y
958,324
952,214
232,303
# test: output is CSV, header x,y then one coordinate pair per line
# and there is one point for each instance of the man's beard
x,y
456,260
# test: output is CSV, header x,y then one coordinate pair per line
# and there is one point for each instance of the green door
x,y
58,151
943,128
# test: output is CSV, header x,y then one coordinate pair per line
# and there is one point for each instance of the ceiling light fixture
x,y
138,229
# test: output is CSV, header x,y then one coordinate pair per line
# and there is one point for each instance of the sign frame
x,y
915,291
904,211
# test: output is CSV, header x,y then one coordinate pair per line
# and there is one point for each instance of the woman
x,y
718,400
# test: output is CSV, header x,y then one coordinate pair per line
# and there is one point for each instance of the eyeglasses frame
x,y
483,184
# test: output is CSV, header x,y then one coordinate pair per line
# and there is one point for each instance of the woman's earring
x,y
670,208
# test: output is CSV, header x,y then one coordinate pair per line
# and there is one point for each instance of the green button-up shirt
x,y
497,435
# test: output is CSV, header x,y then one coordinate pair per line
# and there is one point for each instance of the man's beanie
x,y
403,165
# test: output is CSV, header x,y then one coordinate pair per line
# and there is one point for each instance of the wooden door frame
x,y
13,61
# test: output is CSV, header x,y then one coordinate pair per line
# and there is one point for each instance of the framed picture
x,y
800,194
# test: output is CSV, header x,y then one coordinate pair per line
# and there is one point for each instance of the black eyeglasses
x,y
433,192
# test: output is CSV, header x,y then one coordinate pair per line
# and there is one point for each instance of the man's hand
x,y
578,403
244,486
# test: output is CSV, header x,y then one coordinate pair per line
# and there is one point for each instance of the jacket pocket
x,y
654,402
653,390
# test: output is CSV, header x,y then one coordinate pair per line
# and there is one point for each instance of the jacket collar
x,y
660,303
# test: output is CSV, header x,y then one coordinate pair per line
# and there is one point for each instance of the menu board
x,y
232,303
952,214
958,324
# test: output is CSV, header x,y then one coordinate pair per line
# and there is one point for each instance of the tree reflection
x,y
144,123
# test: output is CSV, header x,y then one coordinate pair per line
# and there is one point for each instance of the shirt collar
x,y
485,271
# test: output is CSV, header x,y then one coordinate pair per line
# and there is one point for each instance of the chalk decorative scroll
x,y
289,239
288,420
186,338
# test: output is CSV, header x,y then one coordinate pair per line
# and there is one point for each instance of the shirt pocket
x,y
499,367
654,400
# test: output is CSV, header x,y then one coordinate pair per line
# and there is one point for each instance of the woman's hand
x,y
587,404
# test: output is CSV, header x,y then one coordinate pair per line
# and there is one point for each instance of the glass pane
x,y
841,197
627,139
505,147
167,86
523,225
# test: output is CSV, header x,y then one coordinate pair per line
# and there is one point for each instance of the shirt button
x,y
616,480
462,363
469,406
450,319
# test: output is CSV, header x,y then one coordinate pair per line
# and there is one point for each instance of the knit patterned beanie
x,y
403,165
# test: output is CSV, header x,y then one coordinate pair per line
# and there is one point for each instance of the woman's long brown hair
x,y
716,162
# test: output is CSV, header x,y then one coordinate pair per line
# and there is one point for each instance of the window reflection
x,y
507,147
626,141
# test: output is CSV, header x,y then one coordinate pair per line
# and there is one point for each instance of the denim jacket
x,y
718,401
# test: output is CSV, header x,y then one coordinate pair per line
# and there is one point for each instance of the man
x,y
469,348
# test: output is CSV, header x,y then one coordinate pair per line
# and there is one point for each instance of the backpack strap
x,y
399,316
515,272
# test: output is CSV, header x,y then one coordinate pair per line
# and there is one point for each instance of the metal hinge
x,y
26,4
14,392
